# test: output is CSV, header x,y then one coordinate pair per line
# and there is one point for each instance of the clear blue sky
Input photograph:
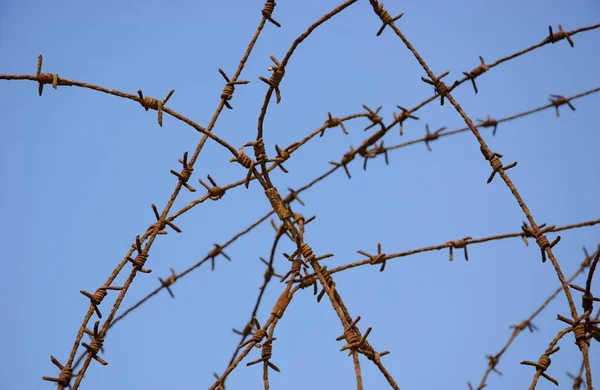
x,y
79,170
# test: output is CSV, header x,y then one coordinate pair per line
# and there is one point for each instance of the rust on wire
x,y
294,224
266,352
440,87
539,233
458,244
45,78
140,259
429,137
216,251
373,116
559,100
385,17
543,363
229,88
64,377
494,160
155,104
166,283
278,73
489,122
161,229
186,173
379,258
267,12
478,71
96,344
97,297
215,192
404,115
554,37
333,122
349,156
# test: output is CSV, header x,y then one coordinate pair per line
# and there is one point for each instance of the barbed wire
x,y
293,224
534,230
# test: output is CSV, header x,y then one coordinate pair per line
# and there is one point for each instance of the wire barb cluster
x,y
155,104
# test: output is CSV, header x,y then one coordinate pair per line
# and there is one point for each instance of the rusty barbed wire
x,y
528,324
578,379
293,195
499,168
142,255
293,224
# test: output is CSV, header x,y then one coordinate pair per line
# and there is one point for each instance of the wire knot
x,y
284,154
543,363
579,328
432,136
363,346
152,103
64,377
333,122
379,258
478,71
259,151
308,281
215,192
587,299
97,297
457,244
293,195
258,335
306,252
539,234
297,264
494,160
440,87
374,152
267,12
493,361
351,335
96,344
580,332
45,78
166,283
559,100
265,356
186,173
229,88
489,122
525,324
140,258
404,115
373,116
554,37
163,224
348,156
216,251
385,17
276,76
245,161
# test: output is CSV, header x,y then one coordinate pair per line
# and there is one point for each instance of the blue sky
x,y
79,170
